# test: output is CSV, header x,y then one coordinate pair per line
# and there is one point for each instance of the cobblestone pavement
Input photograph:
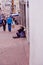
x,y
13,51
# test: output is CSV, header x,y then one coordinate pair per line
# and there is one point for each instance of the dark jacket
x,y
3,22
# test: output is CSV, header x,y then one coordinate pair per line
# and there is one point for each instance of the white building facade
x,y
36,32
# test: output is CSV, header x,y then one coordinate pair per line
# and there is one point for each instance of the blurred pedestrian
x,y
9,22
20,33
16,22
4,24
13,23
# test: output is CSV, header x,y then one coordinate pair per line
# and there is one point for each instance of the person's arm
x,y
6,20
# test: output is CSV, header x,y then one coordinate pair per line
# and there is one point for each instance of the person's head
x,y
13,19
4,18
22,28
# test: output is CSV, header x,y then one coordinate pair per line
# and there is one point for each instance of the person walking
x,y
9,21
4,24
13,23
16,22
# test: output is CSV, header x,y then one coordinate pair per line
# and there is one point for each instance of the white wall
x,y
36,32
27,21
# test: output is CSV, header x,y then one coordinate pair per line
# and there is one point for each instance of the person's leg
x,y
9,27
3,27
18,35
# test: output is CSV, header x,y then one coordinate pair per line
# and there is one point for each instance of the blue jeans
x,y
9,27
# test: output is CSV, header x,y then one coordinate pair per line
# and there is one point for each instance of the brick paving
x,y
13,51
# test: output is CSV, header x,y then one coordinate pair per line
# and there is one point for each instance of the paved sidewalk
x,y
13,51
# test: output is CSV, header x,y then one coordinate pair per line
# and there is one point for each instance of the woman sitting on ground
x,y
20,33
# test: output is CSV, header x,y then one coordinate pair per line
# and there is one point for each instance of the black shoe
x,y
16,37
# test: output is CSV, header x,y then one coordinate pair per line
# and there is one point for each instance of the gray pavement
x,y
13,51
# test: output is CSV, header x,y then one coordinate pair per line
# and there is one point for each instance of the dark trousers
x,y
18,35
9,27
4,27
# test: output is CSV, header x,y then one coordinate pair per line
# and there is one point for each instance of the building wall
x,y
27,21
36,32
16,2
22,6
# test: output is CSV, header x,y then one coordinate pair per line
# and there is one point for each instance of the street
x,y
13,51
